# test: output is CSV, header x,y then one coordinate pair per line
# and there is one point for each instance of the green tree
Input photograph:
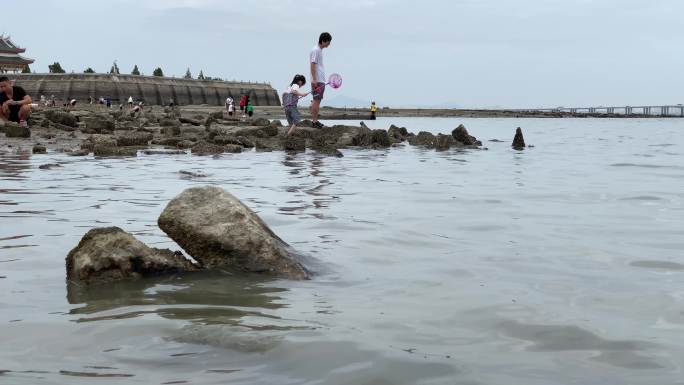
x,y
135,71
89,71
56,68
158,72
26,70
201,76
115,69
188,75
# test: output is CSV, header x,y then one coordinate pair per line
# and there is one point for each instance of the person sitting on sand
x,y
373,110
290,99
16,104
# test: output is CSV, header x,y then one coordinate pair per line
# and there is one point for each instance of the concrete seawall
x,y
151,89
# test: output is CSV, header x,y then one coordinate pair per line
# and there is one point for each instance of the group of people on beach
x,y
16,104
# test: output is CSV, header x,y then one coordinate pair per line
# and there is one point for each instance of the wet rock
x,y
167,141
380,138
398,134
126,151
111,254
39,149
81,152
166,122
217,115
518,140
444,142
268,144
423,138
276,123
305,123
63,127
229,139
164,152
171,130
232,148
186,144
294,143
49,166
325,145
133,139
98,124
61,117
206,148
218,230
194,174
461,135
363,138
13,130
194,122
261,122
258,132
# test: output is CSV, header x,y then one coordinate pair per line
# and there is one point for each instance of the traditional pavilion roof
x,y
9,55
6,45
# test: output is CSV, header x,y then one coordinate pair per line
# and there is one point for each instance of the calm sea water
x,y
559,264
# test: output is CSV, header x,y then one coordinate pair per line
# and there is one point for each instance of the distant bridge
x,y
673,110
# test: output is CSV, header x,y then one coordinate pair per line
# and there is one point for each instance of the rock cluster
x,y
210,224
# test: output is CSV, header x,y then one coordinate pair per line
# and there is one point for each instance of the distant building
x,y
10,60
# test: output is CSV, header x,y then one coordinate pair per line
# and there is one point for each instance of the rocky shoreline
x,y
104,132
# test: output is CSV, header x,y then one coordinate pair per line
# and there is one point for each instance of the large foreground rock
x,y
111,254
13,130
218,230
61,117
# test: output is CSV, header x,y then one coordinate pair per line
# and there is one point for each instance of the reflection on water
x,y
495,266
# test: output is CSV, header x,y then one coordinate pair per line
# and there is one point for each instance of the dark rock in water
x,y
167,141
13,130
294,143
398,134
233,148
363,137
261,122
461,135
187,144
111,254
218,230
206,148
362,124
164,152
518,140
127,151
496,141
229,139
98,124
380,138
78,153
133,139
194,174
268,144
48,166
61,117
444,142
39,149
326,145
423,138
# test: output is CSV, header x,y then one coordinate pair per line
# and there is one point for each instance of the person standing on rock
x,y
250,109
373,110
318,75
16,104
130,102
229,102
290,99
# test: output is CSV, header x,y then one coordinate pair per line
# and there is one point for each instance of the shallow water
x,y
559,264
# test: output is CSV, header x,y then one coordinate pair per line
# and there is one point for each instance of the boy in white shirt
x,y
318,75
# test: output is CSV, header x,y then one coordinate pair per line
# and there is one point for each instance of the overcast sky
x,y
466,53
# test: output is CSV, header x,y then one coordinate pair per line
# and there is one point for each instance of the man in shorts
x,y
15,103
318,76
